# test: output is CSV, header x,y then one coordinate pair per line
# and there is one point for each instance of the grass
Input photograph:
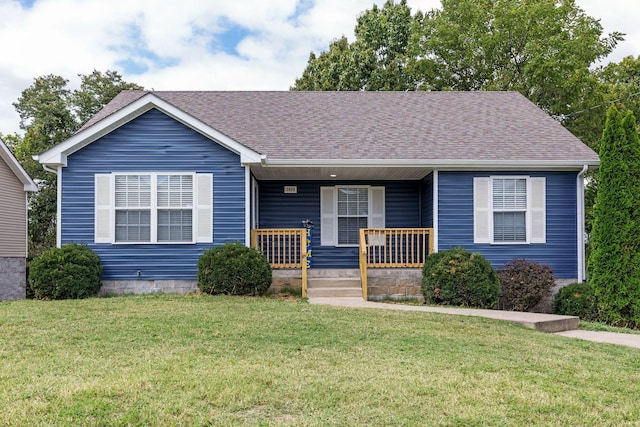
x,y
603,327
201,360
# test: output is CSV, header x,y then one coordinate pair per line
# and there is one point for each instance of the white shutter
x,y
376,215
328,216
481,210
538,210
103,212
204,208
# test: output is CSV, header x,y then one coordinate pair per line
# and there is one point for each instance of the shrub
x,y
233,269
523,284
71,271
459,277
576,299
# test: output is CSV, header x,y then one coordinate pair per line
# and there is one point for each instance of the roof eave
x,y
441,164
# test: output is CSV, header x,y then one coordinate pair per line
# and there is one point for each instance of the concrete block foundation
x,y
13,278
124,287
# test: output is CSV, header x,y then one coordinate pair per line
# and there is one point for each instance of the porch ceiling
x,y
368,173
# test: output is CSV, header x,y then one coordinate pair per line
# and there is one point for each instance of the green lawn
x,y
199,360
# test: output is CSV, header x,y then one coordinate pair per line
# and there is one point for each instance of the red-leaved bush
x,y
523,284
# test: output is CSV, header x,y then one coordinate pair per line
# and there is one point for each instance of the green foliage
x,y
576,299
543,49
523,284
460,278
381,58
614,262
69,272
233,269
50,113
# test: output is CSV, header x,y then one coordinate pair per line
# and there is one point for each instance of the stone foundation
x,y
285,279
394,283
13,278
123,287
546,305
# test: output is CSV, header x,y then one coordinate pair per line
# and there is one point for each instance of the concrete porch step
x,y
326,282
334,292
334,287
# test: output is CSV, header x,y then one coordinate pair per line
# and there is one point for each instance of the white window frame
x,y
484,210
201,208
526,210
375,219
154,208
338,216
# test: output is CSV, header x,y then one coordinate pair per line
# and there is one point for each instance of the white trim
x,y
58,154
26,225
582,274
442,164
247,206
59,207
435,211
527,211
153,208
16,168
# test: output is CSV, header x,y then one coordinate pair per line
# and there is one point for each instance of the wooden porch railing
x,y
393,248
284,248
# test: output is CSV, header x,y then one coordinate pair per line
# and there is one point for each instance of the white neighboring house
x,y
15,183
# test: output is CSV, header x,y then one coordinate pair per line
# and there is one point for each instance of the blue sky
x,y
195,44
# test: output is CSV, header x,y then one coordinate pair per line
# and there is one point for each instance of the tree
x,y
96,90
50,113
541,48
379,59
614,264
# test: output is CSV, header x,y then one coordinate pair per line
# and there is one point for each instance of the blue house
x,y
155,178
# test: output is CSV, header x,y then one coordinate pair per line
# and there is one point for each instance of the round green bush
x,y
460,278
523,284
69,272
576,299
233,269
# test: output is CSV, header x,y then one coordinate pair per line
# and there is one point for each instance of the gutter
x,y
581,227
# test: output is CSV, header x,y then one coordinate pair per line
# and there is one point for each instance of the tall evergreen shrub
x,y
614,263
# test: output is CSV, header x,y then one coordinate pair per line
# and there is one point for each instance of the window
x,y
153,208
347,209
509,210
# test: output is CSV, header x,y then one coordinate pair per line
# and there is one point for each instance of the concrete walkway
x,y
561,325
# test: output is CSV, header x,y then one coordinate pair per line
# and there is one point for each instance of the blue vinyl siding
x,y
279,210
152,142
427,201
455,221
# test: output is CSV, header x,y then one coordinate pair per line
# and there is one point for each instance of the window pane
x,y
509,227
133,191
175,225
348,229
353,201
175,191
133,226
509,193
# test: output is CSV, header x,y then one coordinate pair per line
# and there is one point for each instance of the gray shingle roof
x,y
501,126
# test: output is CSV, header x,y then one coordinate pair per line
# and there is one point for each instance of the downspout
x,y
581,227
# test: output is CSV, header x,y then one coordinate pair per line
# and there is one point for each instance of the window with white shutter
x,y
344,210
153,208
509,210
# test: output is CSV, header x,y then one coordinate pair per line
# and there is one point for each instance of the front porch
x,y
389,265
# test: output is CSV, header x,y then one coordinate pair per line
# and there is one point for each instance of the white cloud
x,y
172,41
